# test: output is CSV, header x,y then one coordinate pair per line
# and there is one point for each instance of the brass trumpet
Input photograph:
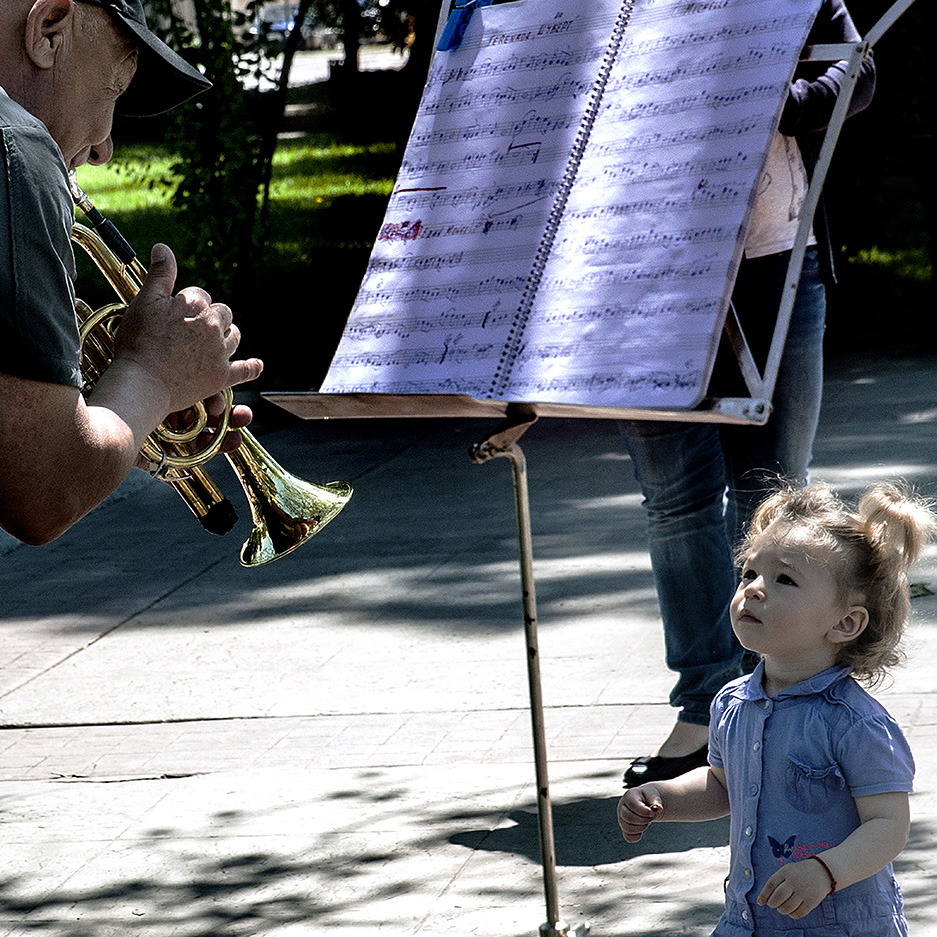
x,y
286,510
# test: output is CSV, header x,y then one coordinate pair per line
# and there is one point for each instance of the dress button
x,y
748,873
756,747
749,831
767,704
753,790
745,915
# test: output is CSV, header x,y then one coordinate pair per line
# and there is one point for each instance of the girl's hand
x,y
637,809
796,888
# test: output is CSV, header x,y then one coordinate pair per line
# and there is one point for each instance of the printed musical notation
x,y
572,203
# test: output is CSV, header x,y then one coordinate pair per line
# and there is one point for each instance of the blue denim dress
x,y
794,763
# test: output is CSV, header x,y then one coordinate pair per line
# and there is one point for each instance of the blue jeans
x,y
702,481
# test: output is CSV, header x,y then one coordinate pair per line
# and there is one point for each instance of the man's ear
x,y
46,25
850,626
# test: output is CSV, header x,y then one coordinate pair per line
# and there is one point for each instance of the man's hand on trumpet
x,y
184,341
215,407
241,416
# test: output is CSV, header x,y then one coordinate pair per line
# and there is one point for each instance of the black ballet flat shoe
x,y
655,768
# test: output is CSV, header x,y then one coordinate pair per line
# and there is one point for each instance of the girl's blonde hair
x,y
872,549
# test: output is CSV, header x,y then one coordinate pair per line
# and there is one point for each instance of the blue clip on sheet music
x,y
457,23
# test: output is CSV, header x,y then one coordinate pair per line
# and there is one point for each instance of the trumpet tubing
x,y
286,510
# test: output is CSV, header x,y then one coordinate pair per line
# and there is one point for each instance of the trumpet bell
x,y
286,510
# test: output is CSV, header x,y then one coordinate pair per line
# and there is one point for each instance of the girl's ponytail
x,y
897,522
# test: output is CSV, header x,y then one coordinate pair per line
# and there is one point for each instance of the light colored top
x,y
779,200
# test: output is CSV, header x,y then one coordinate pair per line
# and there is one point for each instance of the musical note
x,y
380,324
489,69
375,293
532,122
474,199
568,86
728,33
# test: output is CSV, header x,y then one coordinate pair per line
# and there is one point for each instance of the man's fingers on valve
x,y
232,338
196,298
241,416
199,303
225,316
215,405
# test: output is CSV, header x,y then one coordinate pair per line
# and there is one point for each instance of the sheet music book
x,y
572,204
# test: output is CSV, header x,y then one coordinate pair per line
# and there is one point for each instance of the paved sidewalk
x,y
341,740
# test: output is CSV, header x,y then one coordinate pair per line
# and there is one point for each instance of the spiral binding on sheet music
x,y
516,334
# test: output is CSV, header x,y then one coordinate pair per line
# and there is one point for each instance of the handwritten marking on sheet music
x,y
474,199
633,290
698,7
559,25
410,230
400,231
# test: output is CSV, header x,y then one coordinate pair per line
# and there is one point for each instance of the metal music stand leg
x,y
503,442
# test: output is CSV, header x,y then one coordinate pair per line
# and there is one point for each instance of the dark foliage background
x,y
881,193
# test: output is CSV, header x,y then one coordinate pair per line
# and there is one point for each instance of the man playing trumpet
x,y
65,65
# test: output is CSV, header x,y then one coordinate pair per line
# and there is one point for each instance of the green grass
x,y
324,193
308,172
911,264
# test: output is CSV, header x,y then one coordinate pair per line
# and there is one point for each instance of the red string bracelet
x,y
828,872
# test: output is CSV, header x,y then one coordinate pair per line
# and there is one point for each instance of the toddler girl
x,y
815,773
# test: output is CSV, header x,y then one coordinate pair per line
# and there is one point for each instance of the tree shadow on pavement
x,y
356,851
585,833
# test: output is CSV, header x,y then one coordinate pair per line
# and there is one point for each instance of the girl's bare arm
x,y
698,795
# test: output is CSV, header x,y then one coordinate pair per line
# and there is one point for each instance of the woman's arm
x,y
813,93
